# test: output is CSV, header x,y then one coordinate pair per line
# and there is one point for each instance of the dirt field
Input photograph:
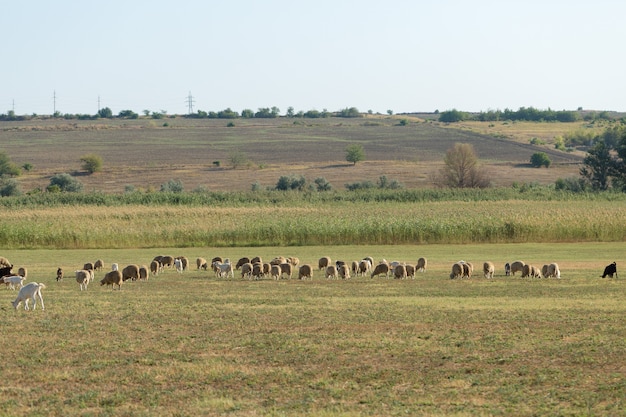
x,y
146,153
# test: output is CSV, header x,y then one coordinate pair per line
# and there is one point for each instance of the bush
x,y
290,183
322,185
539,159
363,185
91,163
66,183
172,186
7,167
9,187
573,184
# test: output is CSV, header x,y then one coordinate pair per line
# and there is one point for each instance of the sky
x,y
400,55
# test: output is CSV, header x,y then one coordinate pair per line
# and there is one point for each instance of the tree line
x,y
528,114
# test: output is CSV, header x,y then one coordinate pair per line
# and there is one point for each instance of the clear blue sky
x,y
395,55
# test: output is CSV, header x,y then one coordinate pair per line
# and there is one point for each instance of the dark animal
x,y
59,274
507,269
6,271
610,270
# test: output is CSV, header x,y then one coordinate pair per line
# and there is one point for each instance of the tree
x,y
355,153
9,187
462,169
237,159
65,182
540,159
105,113
7,167
604,164
452,116
91,163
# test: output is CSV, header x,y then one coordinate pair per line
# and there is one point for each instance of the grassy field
x,y
190,344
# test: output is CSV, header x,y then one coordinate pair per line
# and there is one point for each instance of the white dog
x,y
29,291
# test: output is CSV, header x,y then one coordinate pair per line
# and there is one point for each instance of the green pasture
x,y
190,344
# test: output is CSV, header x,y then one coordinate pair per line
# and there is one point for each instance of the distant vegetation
x,y
529,114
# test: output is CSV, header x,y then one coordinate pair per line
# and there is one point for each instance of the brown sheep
x,y
155,267
167,261
143,272
98,265
305,271
544,271
554,271
256,260
201,263
267,268
344,271
410,271
257,271
364,267
399,271
457,271
184,261
275,272
240,262
112,278
23,272
246,270
293,261
381,268
517,266
287,269
488,269
421,264
323,262
130,272
278,260
468,269
331,272
4,262
355,267
88,266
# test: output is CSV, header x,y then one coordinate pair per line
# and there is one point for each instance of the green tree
x,y
355,153
322,185
66,183
9,187
540,159
452,116
105,113
7,167
237,159
462,168
91,163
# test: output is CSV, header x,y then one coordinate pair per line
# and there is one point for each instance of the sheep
x,y
275,272
201,263
293,261
488,269
468,269
224,269
399,272
178,264
13,280
531,271
287,269
217,259
536,272
246,270
98,265
305,271
526,270
59,274
364,266
339,264
421,265
5,271
143,272
257,271
256,260
278,260
113,278
323,262
355,267
185,261
167,261
410,271
23,272
507,269
155,267
4,262
266,268
344,271
370,259
610,270
130,272
554,271
82,277
517,266
88,266
544,271
381,268
158,258
331,272
457,271
31,290
240,262
115,267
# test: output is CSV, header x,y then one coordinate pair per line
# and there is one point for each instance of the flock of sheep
x,y
255,268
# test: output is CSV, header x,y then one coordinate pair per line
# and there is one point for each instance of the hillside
x,y
145,153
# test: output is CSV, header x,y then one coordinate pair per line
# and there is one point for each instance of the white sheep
x,y
224,269
178,264
83,277
488,269
554,271
29,291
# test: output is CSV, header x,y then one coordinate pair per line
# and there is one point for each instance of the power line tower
x,y
54,102
190,102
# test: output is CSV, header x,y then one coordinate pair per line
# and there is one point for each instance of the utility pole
x,y
190,102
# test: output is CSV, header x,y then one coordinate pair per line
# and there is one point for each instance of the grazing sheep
x,y
4,262
216,259
29,291
155,267
275,272
410,271
83,276
113,278
256,260
143,272
526,270
421,265
98,265
517,266
224,269
331,272
457,271
381,268
554,271
507,269
338,264
240,262
257,271
167,261
305,271
610,270
178,264
130,272
468,269
201,263
370,259
488,269
323,262
158,258
88,266
344,271
286,269
364,267
23,272
59,274
246,270
185,261
544,271
116,267
266,268
5,271
12,281
355,267
399,272
293,261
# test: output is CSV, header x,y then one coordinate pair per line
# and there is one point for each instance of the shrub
x,y
7,167
363,185
66,183
290,183
172,186
91,163
539,159
9,187
322,185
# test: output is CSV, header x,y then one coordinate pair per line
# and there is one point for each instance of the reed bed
x,y
302,224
